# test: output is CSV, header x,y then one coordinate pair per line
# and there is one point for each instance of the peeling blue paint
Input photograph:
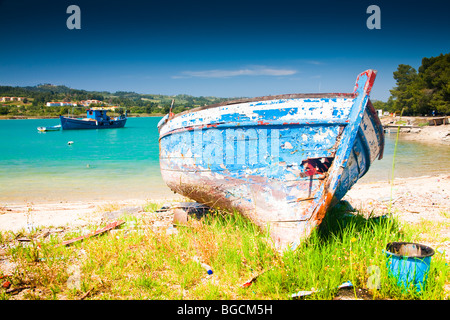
x,y
253,156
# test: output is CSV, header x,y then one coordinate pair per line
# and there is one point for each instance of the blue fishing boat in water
x,y
96,119
282,161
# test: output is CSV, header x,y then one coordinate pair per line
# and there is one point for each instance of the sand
x,y
429,134
16,217
412,199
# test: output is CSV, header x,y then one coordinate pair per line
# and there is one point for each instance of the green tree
x,y
435,74
63,110
402,93
425,91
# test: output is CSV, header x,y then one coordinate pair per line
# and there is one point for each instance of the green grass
x,y
144,263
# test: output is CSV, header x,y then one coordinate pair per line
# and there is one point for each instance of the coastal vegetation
x,y
143,260
136,104
425,91
422,92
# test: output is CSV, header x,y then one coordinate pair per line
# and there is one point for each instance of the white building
x,y
61,104
4,99
87,103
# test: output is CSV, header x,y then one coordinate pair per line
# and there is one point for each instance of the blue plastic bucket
x,y
409,263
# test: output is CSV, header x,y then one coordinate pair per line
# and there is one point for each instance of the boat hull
x,y
280,161
76,124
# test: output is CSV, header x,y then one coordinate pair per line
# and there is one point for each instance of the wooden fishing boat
x,y
96,119
281,161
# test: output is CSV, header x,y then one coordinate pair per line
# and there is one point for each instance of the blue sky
x,y
221,48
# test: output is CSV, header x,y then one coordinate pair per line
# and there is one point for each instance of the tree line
x,y
422,92
135,103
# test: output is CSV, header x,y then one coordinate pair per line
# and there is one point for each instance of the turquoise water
x,y
100,164
413,159
117,164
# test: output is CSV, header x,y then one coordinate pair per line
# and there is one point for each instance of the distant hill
x,y
134,102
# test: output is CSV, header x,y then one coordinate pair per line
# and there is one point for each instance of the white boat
x,y
50,128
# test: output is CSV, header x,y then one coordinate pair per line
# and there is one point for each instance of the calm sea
x,y
100,164
123,163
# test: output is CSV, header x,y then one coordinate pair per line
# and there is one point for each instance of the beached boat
x,y
96,119
50,128
281,161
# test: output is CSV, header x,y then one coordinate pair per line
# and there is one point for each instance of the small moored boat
x,y
282,161
96,119
50,128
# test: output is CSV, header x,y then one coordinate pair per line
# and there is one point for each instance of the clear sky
x,y
221,48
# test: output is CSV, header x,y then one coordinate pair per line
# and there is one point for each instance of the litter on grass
x,y
301,294
108,227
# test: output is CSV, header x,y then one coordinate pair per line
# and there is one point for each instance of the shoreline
x,y
439,134
411,199
143,115
17,216
429,134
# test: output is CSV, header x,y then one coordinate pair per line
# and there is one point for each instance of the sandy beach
x,y
429,134
16,217
411,199
419,202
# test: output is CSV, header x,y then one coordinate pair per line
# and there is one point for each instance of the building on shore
x,y
87,103
5,99
61,104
